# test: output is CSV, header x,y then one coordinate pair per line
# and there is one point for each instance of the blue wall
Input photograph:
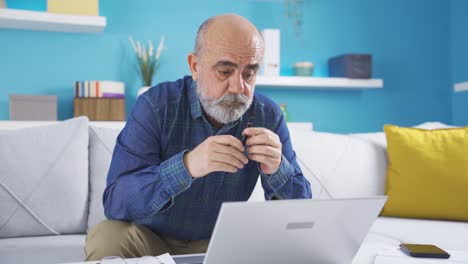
x,y
459,41
409,40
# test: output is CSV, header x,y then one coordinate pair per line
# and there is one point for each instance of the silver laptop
x,y
289,231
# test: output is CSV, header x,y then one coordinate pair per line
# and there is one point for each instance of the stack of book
x,y
99,89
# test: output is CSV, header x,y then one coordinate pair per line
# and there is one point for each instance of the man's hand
x,y
217,153
264,147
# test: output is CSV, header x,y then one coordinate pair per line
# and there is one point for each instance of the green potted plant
x,y
147,61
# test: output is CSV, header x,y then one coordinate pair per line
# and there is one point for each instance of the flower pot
x,y
303,68
142,90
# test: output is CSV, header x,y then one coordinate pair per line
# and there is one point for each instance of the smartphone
x,y
424,251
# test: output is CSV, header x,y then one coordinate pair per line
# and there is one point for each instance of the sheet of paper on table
x,y
165,259
161,259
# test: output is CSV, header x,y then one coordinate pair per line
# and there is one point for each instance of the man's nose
x,y
236,84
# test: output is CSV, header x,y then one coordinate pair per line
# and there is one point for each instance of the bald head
x,y
227,29
228,53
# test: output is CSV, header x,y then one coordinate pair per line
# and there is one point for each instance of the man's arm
x,y
281,175
139,184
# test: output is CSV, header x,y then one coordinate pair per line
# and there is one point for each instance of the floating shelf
x,y
317,82
34,20
459,87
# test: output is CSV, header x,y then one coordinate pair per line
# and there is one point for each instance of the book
x,y
112,95
111,87
99,89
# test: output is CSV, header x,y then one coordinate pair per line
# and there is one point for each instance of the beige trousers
x,y
129,240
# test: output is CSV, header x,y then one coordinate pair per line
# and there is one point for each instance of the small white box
x,y
271,58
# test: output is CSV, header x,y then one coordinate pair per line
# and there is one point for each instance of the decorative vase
x,y
142,90
303,68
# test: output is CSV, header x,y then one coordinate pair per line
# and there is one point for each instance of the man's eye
x,y
225,73
249,75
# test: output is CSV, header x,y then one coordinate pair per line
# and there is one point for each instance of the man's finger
x,y
264,150
231,151
228,159
229,140
264,139
263,159
220,166
252,131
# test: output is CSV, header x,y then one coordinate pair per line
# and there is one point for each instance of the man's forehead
x,y
242,47
239,57
228,63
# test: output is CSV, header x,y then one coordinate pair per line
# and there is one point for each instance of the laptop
x,y
289,231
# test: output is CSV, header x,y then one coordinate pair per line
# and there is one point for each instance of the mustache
x,y
232,99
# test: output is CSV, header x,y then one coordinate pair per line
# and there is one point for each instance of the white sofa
x,y
355,165
24,239
347,165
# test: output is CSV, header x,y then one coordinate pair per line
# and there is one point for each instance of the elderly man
x,y
190,145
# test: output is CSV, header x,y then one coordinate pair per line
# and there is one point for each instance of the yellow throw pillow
x,y
427,175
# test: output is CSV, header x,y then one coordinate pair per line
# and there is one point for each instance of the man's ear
x,y
193,65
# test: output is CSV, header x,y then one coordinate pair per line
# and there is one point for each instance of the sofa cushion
x,y
350,165
42,250
428,173
379,139
347,166
44,179
433,125
101,145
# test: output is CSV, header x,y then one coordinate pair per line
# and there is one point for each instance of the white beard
x,y
227,108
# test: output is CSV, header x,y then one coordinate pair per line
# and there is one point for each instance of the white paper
x,y
165,259
161,259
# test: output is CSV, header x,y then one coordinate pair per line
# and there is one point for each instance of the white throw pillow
x,y
339,166
348,165
433,125
44,179
379,138
101,145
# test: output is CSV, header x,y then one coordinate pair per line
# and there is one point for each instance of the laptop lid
x,y
292,231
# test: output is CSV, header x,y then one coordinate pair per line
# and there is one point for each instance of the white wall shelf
x,y
34,20
460,87
317,82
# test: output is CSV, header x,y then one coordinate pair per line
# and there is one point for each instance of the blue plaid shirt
x,y
149,184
